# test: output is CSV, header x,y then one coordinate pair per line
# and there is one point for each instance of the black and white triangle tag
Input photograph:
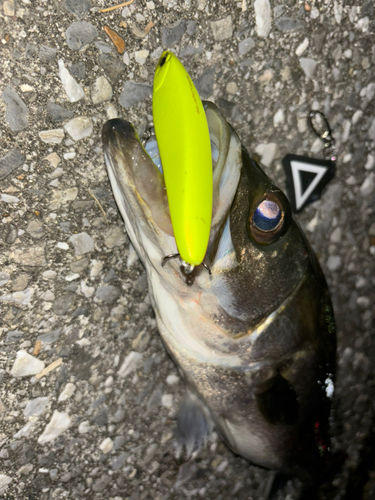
x,y
306,178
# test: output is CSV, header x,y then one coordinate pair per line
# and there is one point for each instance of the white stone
x,y
345,131
106,446
84,427
262,17
167,400
348,53
102,90
314,14
172,379
53,159
73,90
308,66
88,291
26,88
371,130
368,185
62,245
72,277
111,111
150,5
232,88
302,47
357,116
35,407
23,297
9,8
96,267
82,242
141,56
59,423
126,58
334,262
130,363
26,365
67,392
4,482
336,235
54,136
337,11
132,256
79,127
370,162
70,156
267,153
7,198
222,29
278,118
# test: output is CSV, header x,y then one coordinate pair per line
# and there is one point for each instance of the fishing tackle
x,y
184,144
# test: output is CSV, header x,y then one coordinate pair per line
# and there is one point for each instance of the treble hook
x,y
187,268
325,134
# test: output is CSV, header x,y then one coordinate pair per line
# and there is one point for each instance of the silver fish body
x,y
255,340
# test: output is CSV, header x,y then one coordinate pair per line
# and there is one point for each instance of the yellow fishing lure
x,y
183,139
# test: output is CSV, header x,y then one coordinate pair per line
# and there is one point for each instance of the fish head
x,y
255,339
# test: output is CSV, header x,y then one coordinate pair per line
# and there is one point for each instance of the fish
x,y
255,340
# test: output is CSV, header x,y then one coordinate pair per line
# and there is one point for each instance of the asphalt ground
x,y
74,294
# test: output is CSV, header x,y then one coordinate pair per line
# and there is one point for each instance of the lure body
x,y
184,143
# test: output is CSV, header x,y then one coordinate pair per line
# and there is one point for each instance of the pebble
x,y
368,185
23,297
84,427
106,446
10,162
278,118
245,46
130,363
47,54
370,162
262,17
73,89
58,113
108,293
205,83
167,400
314,14
141,56
9,8
69,156
191,28
171,35
78,266
133,93
26,365
80,34
82,242
232,88
35,229
35,407
334,262
336,235
67,392
32,256
54,136
79,8
222,29
190,51
357,116
114,237
103,47
59,423
78,70
17,113
4,479
308,66
62,304
62,245
13,336
302,47
267,153
112,66
53,159
7,198
371,130
20,282
4,278
117,41
49,275
172,379
80,127
25,431
289,24
345,131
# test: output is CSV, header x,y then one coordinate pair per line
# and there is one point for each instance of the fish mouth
x,y
140,192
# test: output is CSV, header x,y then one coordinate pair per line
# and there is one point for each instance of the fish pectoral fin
x,y
194,425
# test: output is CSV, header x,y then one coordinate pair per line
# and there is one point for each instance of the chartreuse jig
x,y
183,140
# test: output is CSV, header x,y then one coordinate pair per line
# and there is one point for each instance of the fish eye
x,y
267,215
162,62
267,221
